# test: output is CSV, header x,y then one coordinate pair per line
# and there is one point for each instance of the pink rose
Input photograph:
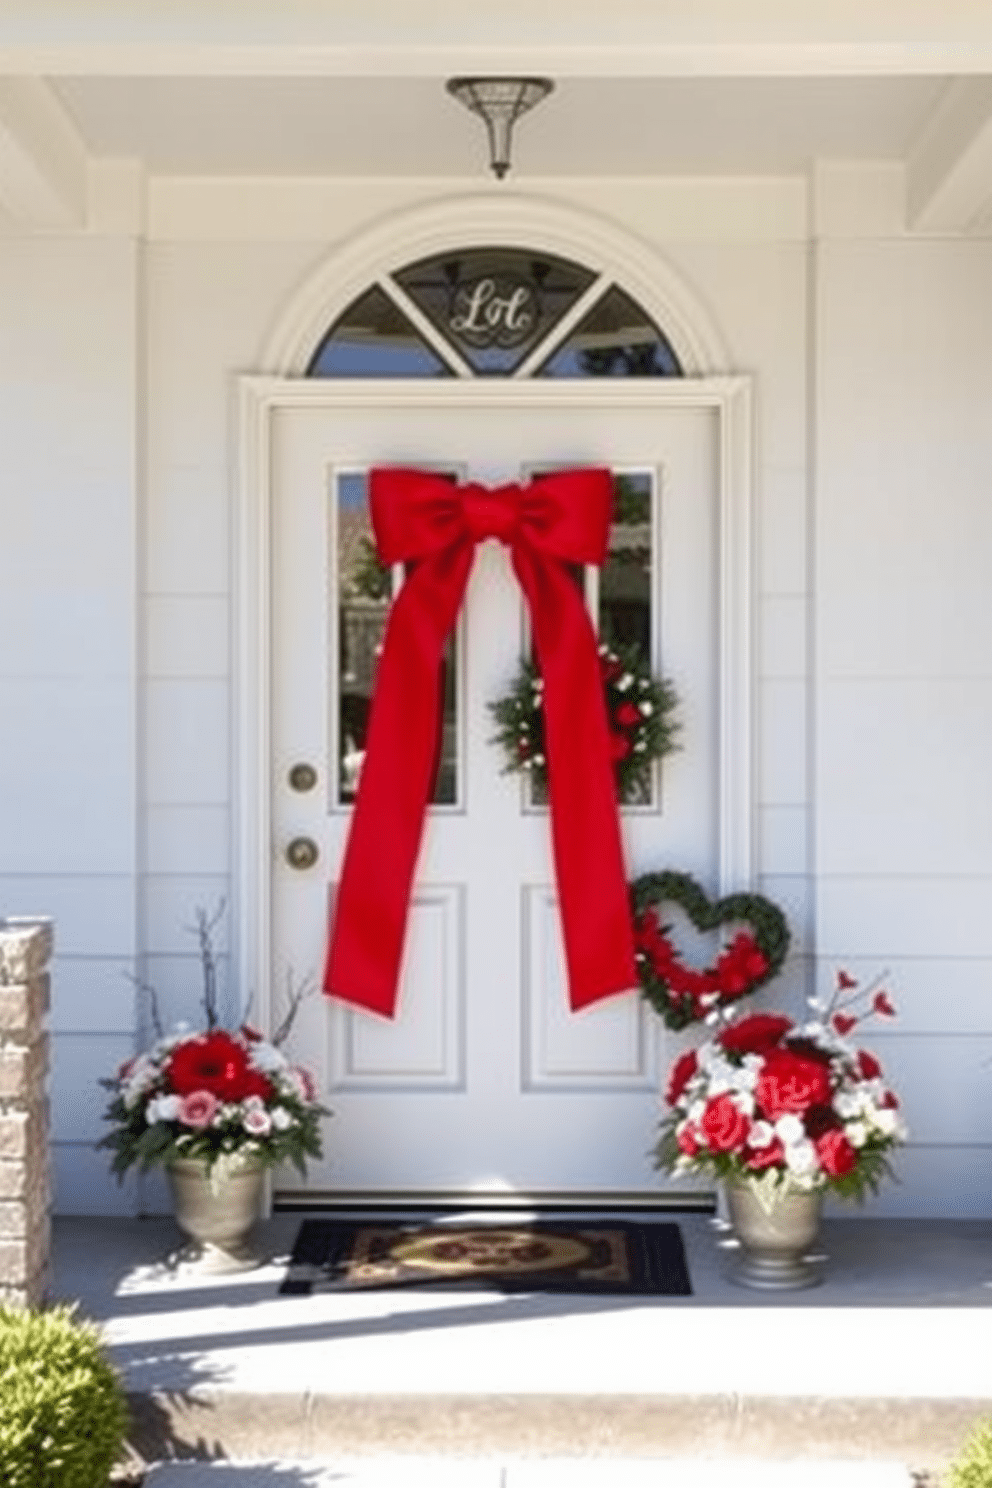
x,y
256,1120
198,1109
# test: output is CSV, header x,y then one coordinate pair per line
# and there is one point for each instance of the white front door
x,y
485,1081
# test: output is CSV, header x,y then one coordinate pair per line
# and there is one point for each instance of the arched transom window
x,y
494,312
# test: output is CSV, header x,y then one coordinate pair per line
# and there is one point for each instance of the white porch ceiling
x,y
331,88
409,126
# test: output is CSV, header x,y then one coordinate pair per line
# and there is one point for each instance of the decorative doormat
x,y
619,1257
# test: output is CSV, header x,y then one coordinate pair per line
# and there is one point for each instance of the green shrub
x,y
62,1411
972,1468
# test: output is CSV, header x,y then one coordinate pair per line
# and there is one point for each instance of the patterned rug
x,y
505,1255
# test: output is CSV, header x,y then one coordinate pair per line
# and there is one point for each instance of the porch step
x,y
554,1473
607,1434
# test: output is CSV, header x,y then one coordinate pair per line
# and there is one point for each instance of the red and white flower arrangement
x,y
217,1096
212,1095
794,1107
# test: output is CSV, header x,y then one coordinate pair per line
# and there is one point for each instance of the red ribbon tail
x,y
401,750
593,894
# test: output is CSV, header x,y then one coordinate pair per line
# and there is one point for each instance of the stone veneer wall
x,y
25,1187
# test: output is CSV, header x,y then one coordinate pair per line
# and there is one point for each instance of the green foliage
x,y
62,1411
640,712
972,1468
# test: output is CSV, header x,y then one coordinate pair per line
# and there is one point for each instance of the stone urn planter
x,y
775,1231
218,1211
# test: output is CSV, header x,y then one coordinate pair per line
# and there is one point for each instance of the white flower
x,y
141,1077
762,1134
856,1133
647,708
255,1118
744,1101
800,1158
790,1130
887,1121
848,1104
163,1108
267,1057
281,1119
624,682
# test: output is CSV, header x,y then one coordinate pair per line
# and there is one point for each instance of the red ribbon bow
x,y
422,518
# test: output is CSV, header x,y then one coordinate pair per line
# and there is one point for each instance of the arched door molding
x,y
509,221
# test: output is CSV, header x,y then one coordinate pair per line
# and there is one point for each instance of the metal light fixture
x,y
500,101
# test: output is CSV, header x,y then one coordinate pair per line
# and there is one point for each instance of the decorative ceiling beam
x,y
563,38
949,171
42,160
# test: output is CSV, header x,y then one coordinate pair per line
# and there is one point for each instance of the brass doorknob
x,y
302,852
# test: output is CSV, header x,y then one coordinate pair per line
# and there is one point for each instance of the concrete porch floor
x,y
886,1363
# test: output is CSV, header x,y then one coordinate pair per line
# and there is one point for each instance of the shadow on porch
x,y
886,1359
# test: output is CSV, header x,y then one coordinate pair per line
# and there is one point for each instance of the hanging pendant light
x,y
500,101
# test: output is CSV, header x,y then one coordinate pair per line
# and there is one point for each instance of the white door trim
x,y
260,399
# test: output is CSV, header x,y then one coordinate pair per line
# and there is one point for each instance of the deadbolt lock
x,y
302,852
303,777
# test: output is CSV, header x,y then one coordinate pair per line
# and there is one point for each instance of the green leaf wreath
x,y
683,994
639,711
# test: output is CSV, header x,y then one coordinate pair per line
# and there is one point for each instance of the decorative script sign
x,y
493,311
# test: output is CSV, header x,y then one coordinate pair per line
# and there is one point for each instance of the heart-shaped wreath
x,y
682,994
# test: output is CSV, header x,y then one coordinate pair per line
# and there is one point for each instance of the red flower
x,y
755,1034
610,667
845,982
759,1158
868,1066
687,1143
255,1083
881,1004
627,715
790,1084
843,1023
682,1072
619,746
724,1126
214,1062
836,1154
